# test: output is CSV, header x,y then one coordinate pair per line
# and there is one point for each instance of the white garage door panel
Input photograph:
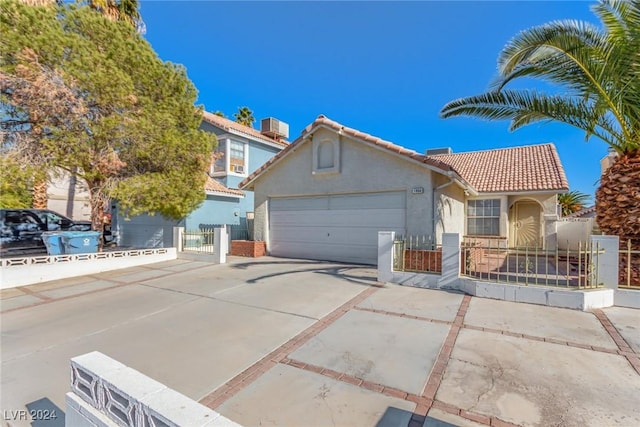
x,y
363,236
350,218
337,228
325,252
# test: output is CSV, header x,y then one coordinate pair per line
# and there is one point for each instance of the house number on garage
x,y
417,190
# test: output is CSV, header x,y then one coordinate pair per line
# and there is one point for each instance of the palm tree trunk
x,y
618,211
40,198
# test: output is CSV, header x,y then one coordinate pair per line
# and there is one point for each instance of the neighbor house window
x,y
237,157
483,217
221,161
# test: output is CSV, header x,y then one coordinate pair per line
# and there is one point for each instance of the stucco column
x,y
220,242
551,232
177,238
450,260
385,255
607,261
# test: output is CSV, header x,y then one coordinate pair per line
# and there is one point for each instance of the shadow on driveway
x,y
339,271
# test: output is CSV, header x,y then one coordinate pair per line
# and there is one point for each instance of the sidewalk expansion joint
x,y
403,315
624,349
253,372
437,373
49,300
471,415
28,291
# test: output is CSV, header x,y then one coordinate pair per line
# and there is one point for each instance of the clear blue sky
x,y
384,68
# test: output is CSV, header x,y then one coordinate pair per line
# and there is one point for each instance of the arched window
x,y
326,156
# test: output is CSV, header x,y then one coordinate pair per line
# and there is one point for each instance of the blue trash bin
x,y
52,240
80,242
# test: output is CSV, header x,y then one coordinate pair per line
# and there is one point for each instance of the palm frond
x,y
526,107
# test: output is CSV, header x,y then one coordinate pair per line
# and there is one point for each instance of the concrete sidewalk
x,y
289,343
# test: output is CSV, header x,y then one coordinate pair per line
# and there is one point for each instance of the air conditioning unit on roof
x,y
436,151
274,128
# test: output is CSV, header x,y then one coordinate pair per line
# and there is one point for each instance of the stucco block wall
x,y
216,210
362,169
450,207
68,196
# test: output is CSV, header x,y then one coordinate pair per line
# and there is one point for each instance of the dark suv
x,y
21,229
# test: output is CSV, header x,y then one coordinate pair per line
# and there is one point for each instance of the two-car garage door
x,y
336,227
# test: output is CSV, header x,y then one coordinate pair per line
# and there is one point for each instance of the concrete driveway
x,y
285,342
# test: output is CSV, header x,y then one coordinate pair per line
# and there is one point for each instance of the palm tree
x,y
571,202
598,72
244,116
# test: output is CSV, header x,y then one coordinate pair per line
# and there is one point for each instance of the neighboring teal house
x,y
244,150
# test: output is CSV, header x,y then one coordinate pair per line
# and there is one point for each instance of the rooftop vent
x,y
274,128
436,151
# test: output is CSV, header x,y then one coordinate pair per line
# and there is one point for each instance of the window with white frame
x,y
237,162
483,217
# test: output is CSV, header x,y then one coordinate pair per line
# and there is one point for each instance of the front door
x,y
525,225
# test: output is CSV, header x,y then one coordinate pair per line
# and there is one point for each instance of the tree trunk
x,y
618,209
99,202
39,193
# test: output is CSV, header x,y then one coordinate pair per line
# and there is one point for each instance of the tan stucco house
x,y
328,194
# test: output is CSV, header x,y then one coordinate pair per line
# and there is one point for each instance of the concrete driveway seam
x,y
624,351
28,291
624,347
435,379
49,300
227,301
403,315
437,372
253,372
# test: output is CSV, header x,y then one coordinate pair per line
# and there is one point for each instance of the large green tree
x,y
597,73
90,96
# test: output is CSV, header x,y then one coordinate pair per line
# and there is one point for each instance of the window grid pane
x,y
483,217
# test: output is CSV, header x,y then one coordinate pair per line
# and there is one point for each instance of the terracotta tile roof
x,y
529,168
583,213
215,186
370,139
227,124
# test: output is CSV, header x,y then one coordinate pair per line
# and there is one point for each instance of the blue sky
x,y
384,68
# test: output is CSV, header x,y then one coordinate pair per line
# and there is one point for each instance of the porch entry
x,y
526,231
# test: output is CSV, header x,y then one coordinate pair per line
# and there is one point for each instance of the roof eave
x,y
223,194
